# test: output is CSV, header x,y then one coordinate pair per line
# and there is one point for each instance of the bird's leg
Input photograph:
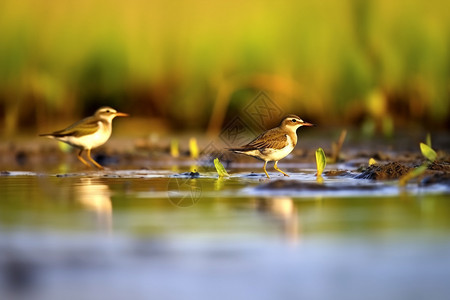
x,y
265,164
82,159
276,168
93,161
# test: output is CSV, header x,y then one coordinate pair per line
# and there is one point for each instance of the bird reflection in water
x,y
283,211
96,197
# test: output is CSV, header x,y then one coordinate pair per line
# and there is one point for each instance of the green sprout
x,y
428,152
220,168
428,139
321,161
412,174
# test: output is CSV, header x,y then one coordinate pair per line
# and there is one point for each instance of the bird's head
x,y
293,122
108,113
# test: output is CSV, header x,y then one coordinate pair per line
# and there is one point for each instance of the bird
x,y
274,144
88,133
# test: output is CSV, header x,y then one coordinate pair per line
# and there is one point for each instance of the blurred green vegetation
x,y
192,63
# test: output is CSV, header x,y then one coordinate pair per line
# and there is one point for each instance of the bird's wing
x,y
84,127
272,139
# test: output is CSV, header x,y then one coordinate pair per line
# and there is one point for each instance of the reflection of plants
x,y
429,154
184,192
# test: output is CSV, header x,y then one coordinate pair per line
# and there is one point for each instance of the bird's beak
x,y
119,114
307,124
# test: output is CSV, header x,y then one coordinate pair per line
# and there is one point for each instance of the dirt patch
x,y
440,166
437,172
392,170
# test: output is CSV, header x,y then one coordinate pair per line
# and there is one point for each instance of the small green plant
x,y
220,169
428,139
321,161
412,174
429,154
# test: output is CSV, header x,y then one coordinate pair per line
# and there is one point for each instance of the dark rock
x,y
191,175
252,174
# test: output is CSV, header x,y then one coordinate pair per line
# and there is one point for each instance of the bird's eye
x,y
108,111
294,120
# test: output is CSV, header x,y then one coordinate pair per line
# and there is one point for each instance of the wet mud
x,y
392,170
437,172
392,162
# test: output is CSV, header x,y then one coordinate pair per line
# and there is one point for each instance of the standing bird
x,y
274,144
88,133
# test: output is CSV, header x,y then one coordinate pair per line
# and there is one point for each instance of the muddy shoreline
x,y
394,159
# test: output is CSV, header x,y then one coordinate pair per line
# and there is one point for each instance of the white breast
x,y
277,154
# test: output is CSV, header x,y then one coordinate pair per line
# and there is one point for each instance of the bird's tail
x,y
236,150
242,150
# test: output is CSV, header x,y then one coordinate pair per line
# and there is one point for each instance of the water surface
x,y
142,234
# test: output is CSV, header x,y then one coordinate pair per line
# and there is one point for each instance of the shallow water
x,y
140,234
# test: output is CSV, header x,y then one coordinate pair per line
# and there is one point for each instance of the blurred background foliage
x,y
191,64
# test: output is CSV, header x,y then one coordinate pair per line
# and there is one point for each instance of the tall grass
x,y
171,59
